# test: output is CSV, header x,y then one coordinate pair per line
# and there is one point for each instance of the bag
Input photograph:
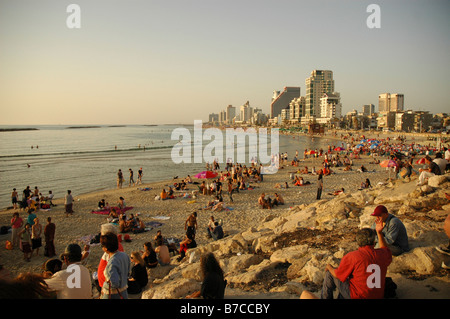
x,y
8,245
389,288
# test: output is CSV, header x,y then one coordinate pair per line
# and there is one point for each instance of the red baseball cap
x,y
379,210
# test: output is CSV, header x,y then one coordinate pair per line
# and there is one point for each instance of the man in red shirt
x,y
361,273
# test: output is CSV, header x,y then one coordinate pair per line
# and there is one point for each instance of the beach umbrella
x,y
421,161
311,152
359,145
373,146
206,174
388,163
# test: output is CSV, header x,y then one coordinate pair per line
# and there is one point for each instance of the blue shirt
x,y
395,233
116,272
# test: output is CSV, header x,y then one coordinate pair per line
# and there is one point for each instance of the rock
x,y
242,262
264,244
437,180
253,275
272,224
289,254
406,210
160,272
301,219
294,270
314,269
192,271
172,289
426,189
423,260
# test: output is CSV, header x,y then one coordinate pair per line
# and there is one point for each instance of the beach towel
x,y
107,211
228,208
145,189
88,240
153,224
161,217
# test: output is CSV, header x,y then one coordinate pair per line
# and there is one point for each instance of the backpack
x,y
389,288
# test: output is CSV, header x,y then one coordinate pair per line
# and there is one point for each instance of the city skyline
x,y
154,62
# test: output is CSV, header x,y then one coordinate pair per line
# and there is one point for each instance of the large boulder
x,y
289,254
299,219
422,260
255,274
173,289
437,180
242,262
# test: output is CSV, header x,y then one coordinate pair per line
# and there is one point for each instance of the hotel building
x,y
319,83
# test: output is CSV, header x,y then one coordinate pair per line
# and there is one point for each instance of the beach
x,y
241,214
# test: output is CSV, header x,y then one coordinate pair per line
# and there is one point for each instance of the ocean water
x,y
86,159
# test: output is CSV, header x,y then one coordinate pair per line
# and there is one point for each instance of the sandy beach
x,y
241,214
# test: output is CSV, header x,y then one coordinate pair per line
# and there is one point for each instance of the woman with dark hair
x,y
213,286
149,255
25,286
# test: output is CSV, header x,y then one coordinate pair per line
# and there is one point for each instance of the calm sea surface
x,y
84,159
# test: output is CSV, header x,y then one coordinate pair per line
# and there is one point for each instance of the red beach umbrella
x,y
421,161
388,163
206,174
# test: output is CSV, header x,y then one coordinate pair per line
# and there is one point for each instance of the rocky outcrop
x,y
289,250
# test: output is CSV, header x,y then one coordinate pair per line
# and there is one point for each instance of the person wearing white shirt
x,y
442,163
74,282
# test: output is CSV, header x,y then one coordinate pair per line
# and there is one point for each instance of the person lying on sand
x,y
335,193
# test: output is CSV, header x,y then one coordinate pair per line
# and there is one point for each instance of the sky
x,y
161,62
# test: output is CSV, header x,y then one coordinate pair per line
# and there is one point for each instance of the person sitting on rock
x,y
352,278
394,232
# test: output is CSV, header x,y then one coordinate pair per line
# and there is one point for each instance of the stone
x,y
289,254
423,260
437,180
172,289
242,262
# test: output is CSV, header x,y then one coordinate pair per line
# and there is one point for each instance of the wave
x,y
86,152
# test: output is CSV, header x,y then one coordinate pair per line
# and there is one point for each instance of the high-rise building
x,y
213,117
245,112
397,102
368,109
388,102
330,105
231,113
297,108
319,83
281,100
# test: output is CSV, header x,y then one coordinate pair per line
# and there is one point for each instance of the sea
x,y
87,158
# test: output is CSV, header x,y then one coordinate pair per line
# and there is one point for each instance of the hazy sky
x,y
153,62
